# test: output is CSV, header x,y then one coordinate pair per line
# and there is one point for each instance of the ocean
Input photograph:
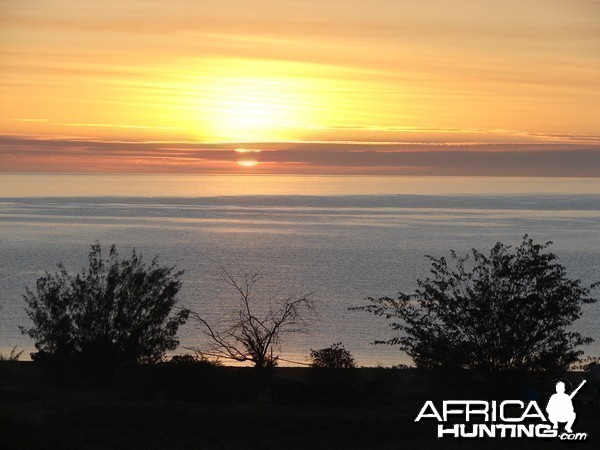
x,y
339,239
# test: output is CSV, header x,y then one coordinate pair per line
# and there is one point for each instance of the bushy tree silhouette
x,y
117,310
509,310
332,357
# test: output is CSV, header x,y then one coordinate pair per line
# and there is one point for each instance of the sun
x,y
250,110
239,100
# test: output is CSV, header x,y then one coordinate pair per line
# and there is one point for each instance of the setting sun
x,y
253,100
399,88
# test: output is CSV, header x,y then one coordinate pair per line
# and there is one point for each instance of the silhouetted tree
x,y
246,336
117,310
332,357
510,310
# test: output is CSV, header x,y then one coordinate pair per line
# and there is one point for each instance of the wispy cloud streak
x,y
19,154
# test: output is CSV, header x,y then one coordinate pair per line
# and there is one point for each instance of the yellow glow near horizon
x,y
258,100
294,80
247,150
247,163
251,108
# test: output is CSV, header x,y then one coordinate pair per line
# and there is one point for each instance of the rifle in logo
x,y
560,407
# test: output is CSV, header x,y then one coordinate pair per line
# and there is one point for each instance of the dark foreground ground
x,y
228,408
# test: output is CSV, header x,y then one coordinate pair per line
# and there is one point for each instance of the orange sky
x,y
458,87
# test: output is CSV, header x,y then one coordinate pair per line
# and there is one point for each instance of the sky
x,y
423,87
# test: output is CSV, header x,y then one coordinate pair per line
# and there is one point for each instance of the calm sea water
x,y
339,238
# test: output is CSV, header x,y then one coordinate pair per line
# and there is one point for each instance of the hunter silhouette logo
x,y
560,407
508,419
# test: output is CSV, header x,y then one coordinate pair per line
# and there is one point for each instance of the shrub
x,y
117,310
332,357
509,311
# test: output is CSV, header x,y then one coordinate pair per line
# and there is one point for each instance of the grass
x,y
381,415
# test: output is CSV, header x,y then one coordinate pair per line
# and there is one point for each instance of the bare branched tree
x,y
242,335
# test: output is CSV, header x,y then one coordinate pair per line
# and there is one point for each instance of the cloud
x,y
92,125
447,135
22,153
